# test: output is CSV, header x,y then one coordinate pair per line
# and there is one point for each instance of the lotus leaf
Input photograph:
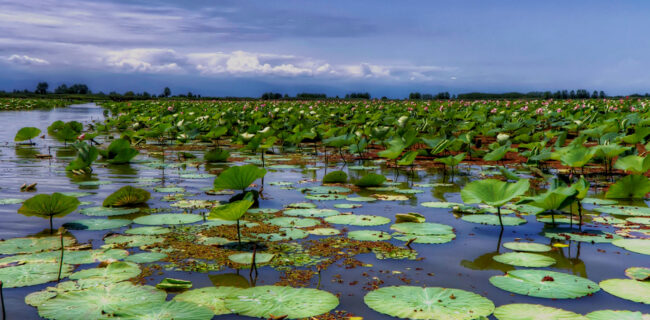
x,y
31,245
213,298
524,259
288,222
617,314
318,213
422,229
145,257
27,133
238,177
168,218
637,291
113,272
32,274
527,246
169,310
545,284
370,180
107,212
493,220
630,187
148,230
521,311
96,224
247,257
369,235
127,196
641,246
357,220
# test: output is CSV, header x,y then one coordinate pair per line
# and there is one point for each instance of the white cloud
x,y
145,60
26,60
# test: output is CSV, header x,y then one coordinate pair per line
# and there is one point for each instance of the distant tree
x,y
167,92
382,98
427,96
415,96
189,94
572,94
129,94
62,89
602,95
41,88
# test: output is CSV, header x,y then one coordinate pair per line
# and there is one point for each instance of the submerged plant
x,y
127,196
49,206
493,192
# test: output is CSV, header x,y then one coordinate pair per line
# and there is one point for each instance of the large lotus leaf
x,y
145,257
113,272
148,230
493,220
319,213
493,192
168,218
324,231
631,187
577,157
525,311
617,314
46,205
238,177
640,220
69,257
213,298
527,246
358,220
27,133
441,204
426,239
284,234
217,155
553,199
637,291
545,284
370,180
584,236
624,210
32,274
295,303
292,222
247,257
133,241
638,273
422,228
30,245
167,310
232,211
127,196
641,246
99,302
408,302
325,189
96,224
119,151
633,164
369,235
107,212
523,259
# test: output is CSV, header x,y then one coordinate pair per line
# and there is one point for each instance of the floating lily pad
x,y
608,220
638,273
527,246
301,205
645,221
168,310
263,210
113,272
213,298
348,205
545,284
148,230
168,218
247,257
174,284
520,311
390,197
493,220
326,189
76,194
597,201
361,199
324,231
423,228
107,212
31,245
96,224
637,291
408,302
617,314
169,189
358,220
524,259
409,191
624,210
584,236
133,240
32,274
11,201
288,222
369,235
196,176
145,257
69,257
425,239
192,204
94,183
284,234
318,213
325,197
441,204
208,241
295,303
641,246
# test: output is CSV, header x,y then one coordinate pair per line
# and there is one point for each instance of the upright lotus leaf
x,y
335,177
216,155
278,301
395,150
211,297
633,290
232,211
127,196
553,199
32,274
238,177
99,302
577,157
119,152
371,180
521,311
49,206
65,131
452,161
497,154
634,164
86,155
631,187
617,314
545,284
493,192
408,158
509,174
27,133
409,302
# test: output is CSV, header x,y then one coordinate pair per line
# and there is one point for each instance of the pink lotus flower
x,y
494,110
558,110
426,108
539,111
524,108
81,137
170,109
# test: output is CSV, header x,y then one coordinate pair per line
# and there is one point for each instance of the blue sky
x,y
245,48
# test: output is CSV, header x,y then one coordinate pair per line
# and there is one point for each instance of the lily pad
x,y
107,212
324,231
361,199
409,302
169,189
284,234
520,311
641,220
358,220
213,298
617,314
637,291
369,235
96,224
638,273
301,205
318,213
425,239
247,257
263,210
145,257
113,272
441,204
348,205
174,284
168,218
423,228
325,197
584,236
289,222
31,245
325,190
148,230
545,284
493,220
524,259
295,303
133,240
390,197
597,201
167,310
641,246
32,274
527,246
11,201
69,257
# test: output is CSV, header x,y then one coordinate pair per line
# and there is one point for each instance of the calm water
x,y
465,263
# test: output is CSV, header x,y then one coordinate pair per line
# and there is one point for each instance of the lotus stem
x,y
238,235
2,302
500,221
58,278
51,225
253,264
580,215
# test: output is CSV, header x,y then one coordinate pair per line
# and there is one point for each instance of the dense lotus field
x,y
30,104
327,210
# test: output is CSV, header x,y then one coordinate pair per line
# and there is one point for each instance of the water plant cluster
x,y
239,189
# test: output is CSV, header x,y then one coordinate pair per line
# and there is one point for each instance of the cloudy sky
x,y
245,48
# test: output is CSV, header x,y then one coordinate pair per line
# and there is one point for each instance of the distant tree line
x,y
559,94
428,96
358,95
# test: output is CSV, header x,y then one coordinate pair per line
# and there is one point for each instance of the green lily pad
x,y
585,236
295,303
527,246
348,205
148,230
369,235
318,213
133,240
520,311
169,189
69,257
196,176
493,220
284,234
423,228
361,199
145,257
637,291
545,284
263,210
642,220
325,190
624,210
425,239
94,183
192,204
208,241
358,220
168,218
641,246
11,201
96,224
247,257
292,222
324,231
409,191
213,298
301,205
31,245
167,310
113,272
107,212
524,259
174,284
408,302
638,273
325,197
597,201
31,274
617,314
390,197
608,220
99,302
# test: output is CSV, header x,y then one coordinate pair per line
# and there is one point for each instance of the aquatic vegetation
x,y
127,196
493,192
371,180
27,133
637,291
534,312
119,152
49,206
335,177
86,155
545,284
238,177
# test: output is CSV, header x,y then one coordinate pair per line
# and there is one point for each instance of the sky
x,y
388,48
